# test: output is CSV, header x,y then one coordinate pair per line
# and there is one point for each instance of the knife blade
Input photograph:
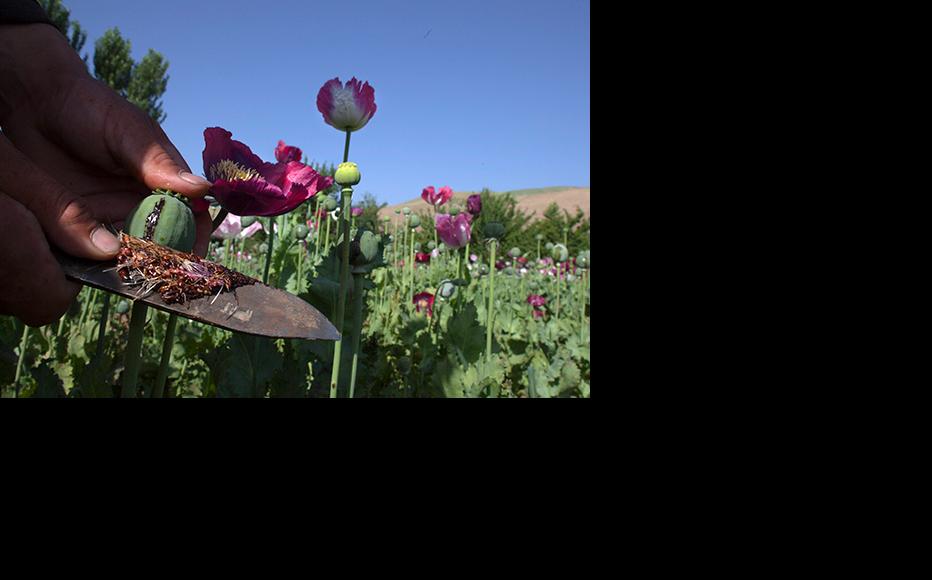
x,y
257,309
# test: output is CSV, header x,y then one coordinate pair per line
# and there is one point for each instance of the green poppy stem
x,y
559,286
102,328
268,253
344,283
23,343
582,310
346,147
357,327
159,389
137,324
226,253
491,308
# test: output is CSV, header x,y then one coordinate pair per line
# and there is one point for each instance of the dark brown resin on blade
x,y
176,276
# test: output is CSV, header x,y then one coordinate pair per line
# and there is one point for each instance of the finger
x,y
65,218
139,143
111,208
35,289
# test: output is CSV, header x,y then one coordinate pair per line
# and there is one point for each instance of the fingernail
x,y
193,179
104,240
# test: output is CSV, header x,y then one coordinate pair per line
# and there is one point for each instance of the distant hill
x,y
533,201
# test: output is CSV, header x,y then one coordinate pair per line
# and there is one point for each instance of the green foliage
x,y
148,83
143,83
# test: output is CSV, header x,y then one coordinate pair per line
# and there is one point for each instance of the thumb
x,y
65,218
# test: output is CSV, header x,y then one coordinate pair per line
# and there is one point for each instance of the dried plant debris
x,y
176,276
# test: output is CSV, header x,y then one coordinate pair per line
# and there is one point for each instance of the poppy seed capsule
x,y
347,174
514,252
446,290
301,232
548,246
165,220
494,230
247,220
406,210
414,221
559,253
122,307
328,203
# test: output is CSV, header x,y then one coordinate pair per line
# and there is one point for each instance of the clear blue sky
x,y
470,93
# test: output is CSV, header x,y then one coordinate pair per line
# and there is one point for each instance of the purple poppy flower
x,y
285,153
436,198
422,258
356,211
346,107
231,227
245,185
454,232
474,205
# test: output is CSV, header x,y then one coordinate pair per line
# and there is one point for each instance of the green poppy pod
x,y
122,307
494,230
431,245
417,246
539,237
247,220
414,221
548,246
406,210
165,220
454,211
263,248
483,269
559,253
514,253
446,290
328,203
301,232
509,271
404,365
347,174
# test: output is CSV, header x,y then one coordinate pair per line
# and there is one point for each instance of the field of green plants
x,y
444,343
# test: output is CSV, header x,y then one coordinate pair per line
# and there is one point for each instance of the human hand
x,y
73,155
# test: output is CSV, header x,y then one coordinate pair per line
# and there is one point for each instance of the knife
x,y
257,309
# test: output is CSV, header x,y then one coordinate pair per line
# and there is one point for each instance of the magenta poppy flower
x,y
285,153
231,227
424,301
436,198
536,300
245,185
454,231
474,205
346,107
356,211
422,258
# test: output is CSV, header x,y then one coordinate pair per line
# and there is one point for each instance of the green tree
x,y
148,83
370,212
113,63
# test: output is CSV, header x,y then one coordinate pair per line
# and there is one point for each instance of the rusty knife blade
x,y
258,309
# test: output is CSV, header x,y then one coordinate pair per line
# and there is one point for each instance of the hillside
x,y
533,201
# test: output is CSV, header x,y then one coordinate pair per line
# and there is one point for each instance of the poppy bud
x,y
347,174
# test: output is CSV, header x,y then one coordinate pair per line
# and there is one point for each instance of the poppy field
x,y
435,303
